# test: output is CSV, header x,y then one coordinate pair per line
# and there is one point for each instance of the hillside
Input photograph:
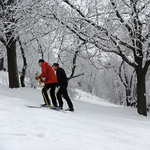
x,y
95,124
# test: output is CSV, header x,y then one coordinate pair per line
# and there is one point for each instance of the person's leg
x,y
66,96
59,97
44,93
52,93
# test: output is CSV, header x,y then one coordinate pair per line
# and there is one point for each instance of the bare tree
x,y
23,72
127,80
8,38
2,63
122,29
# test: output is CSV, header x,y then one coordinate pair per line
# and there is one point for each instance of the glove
x,y
37,78
41,80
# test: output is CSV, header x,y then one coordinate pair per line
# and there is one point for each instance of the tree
x,y
8,38
23,72
17,19
119,27
127,80
2,63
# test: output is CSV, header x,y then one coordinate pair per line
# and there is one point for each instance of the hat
x,y
41,60
56,64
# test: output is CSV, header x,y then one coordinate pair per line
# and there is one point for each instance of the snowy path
x,y
90,127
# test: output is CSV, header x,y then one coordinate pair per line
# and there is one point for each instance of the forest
x,y
108,40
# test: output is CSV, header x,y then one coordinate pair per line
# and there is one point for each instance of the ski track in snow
x,y
90,127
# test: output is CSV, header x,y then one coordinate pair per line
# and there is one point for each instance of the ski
x,y
30,106
51,107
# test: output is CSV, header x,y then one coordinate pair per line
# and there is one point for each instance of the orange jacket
x,y
48,73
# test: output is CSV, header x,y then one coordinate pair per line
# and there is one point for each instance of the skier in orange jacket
x,y
50,82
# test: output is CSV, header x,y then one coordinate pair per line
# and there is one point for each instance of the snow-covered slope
x,y
96,125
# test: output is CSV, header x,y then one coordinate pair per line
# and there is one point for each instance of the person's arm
x,y
59,76
44,72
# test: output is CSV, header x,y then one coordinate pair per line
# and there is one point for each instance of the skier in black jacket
x,y
63,83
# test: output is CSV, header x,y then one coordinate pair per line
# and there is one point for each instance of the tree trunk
x,y
74,63
12,65
128,97
2,63
141,93
23,73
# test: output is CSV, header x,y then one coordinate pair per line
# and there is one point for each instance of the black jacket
x,y
61,76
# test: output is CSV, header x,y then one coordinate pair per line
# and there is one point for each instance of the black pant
x,y
63,91
52,87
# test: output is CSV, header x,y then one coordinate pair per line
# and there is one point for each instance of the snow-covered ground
x,y
95,124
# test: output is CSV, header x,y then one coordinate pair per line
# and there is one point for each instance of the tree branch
x,y
120,53
121,18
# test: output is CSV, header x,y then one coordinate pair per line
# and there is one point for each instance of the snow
x,y
95,124
86,97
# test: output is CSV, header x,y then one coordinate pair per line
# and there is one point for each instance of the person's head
x,y
55,66
40,62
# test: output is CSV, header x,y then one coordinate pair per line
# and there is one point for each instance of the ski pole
x,y
75,76
43,94
48,93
